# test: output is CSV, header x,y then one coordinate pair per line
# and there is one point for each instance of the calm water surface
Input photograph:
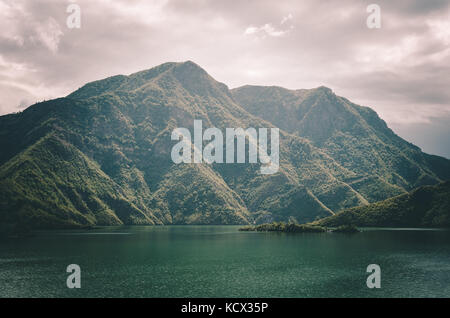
x,y
220,261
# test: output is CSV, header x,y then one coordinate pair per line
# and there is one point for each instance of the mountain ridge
x,y
119,129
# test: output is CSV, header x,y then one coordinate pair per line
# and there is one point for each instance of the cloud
x,y
286,18
266,29
269,30
48,34
22,28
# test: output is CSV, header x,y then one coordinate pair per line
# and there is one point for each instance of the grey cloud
x,y
417,7
431,138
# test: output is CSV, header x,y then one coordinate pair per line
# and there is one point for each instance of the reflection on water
x,y
219,261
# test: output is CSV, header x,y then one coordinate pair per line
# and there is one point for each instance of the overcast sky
x,y
402,70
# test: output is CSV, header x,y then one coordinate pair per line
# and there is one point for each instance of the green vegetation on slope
x,y
102,155
380,163
427,206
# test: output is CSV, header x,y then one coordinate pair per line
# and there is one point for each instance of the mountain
x,y
354,136
101,155
426,206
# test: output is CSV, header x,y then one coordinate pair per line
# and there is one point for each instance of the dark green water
x,y
219,261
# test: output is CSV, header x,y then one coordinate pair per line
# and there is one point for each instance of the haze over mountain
x,y
101,155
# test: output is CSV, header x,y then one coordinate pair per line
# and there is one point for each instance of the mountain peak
x,y
190,63
169,66
190,68
186,72
196,80
324,89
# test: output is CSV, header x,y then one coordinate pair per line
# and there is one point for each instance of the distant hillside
x,y
101,155
383,164
427,206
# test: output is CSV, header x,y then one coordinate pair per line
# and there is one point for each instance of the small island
x,y
285,227
298,228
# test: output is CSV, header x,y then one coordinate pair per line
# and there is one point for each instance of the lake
x,y
220,261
